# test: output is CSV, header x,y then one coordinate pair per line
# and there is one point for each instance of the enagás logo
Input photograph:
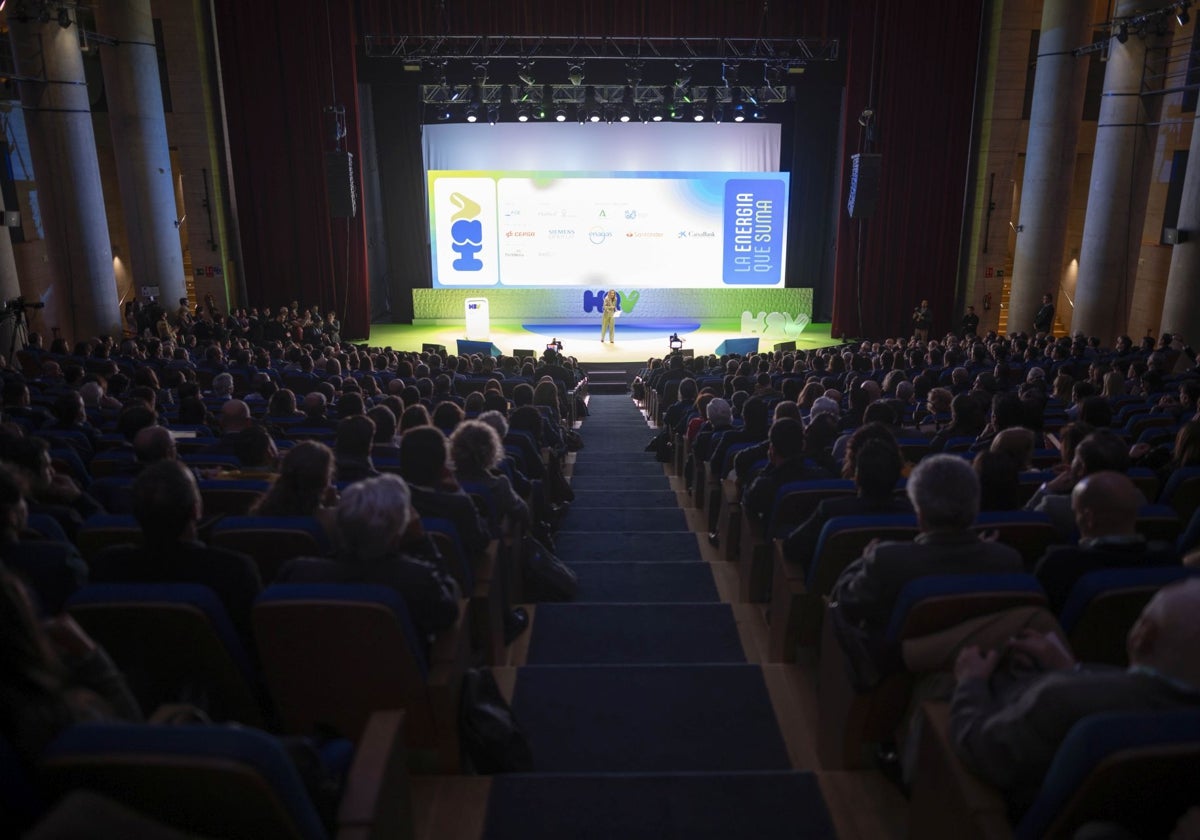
x,y
598,235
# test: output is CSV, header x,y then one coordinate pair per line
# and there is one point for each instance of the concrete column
x,y
82,301
1116,211
1181,307
1054,120
139,132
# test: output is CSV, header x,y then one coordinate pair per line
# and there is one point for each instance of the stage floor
x,y
634,343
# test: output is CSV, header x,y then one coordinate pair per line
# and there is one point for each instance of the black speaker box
x,y
864,185
339,180
786,345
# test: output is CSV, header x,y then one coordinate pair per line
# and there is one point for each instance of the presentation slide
x,y
596,230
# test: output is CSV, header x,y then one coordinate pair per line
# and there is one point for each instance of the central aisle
x,y
643,714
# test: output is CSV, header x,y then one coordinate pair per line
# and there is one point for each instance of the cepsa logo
x,y
466,233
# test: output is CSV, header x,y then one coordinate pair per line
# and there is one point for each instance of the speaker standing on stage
x,y
608,320
922,320
1043,321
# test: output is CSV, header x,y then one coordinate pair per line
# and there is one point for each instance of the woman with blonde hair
x,y
609,317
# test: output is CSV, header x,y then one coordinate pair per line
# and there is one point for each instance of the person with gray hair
x,y
944,492
476,450
373,517
222,385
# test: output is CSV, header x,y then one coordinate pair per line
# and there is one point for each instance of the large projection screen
x,y
550,205
648,229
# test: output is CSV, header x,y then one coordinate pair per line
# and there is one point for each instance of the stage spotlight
x,y
443,113
739,113
697,112
522,113
594,115
539,112
657,114
1182,15
473,112
625,114
560,114
759,113
493,114
575,74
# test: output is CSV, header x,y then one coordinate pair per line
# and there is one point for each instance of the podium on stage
x,y
479,326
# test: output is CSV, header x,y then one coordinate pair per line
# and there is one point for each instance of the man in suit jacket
x,y
944,492
1106,508
435,493
1008,730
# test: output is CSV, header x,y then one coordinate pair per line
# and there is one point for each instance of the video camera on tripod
x,y
19,305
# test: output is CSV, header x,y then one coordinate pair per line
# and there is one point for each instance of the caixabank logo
x,y
594,301
466,233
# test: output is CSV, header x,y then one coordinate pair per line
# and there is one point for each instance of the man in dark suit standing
x,y
922,321
1043,321
970,323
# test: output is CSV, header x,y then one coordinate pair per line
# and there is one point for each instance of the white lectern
x,y
479,326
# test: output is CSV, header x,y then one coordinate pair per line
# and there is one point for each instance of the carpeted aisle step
x,y
644,806
644,582
630,498
621,520
597,546
648,718
618,468
618,484
635,634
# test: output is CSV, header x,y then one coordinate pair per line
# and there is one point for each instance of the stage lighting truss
x,y
659,72
616,103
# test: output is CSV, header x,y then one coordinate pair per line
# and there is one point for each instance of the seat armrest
x,y
376,801
452,644
948,800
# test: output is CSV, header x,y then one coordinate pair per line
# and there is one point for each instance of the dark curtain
x,y
283,64
809,145
925,58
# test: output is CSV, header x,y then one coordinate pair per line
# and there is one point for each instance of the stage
x,y
636,342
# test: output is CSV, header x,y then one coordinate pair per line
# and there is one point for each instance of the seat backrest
x,y
1135,769
231,497
103,530
175,643
936,602
796,500
1182,491
334,653
1104,604
449,544
216,781
843,539
271,540
1029,532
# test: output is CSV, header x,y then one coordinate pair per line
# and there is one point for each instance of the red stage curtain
x,y
282,65
925,71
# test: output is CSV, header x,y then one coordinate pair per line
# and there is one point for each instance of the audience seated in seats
x,y
414,416
385,443
168,508
1184,451
944,492
446,416
353,449
966,420
746,463
1012,708
314,412
1105,505
234,418
373,516
282,407
424,456
51,567
786,463
476,450
877,412
303,487
52,675
256,452
873,460
1018,443
46,490
18,406
1100,451
999,480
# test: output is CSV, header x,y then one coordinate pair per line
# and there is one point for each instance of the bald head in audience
x,y
1106,504
235,416
1167,633
152,444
